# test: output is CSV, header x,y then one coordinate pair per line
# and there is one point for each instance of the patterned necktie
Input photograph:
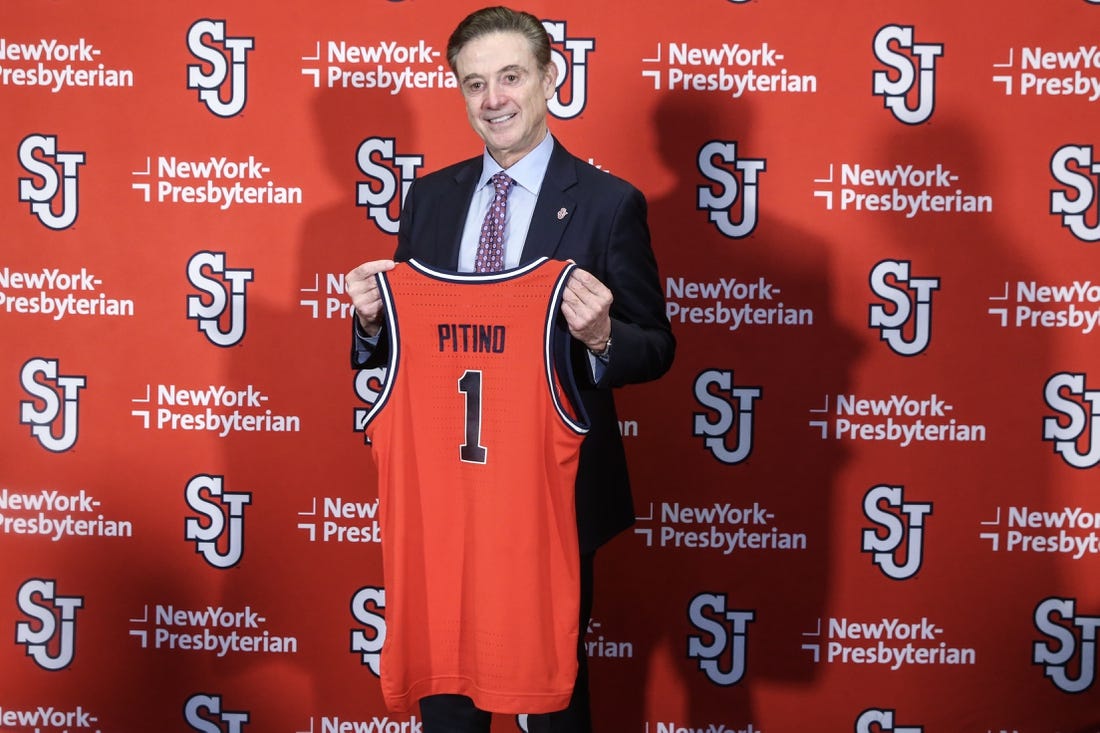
x,y
490,247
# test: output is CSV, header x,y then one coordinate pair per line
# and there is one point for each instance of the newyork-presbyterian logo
x,y
394,66
1072,306
50,637
52,190
1075,167
206,713
54,412
733,303
902,188
58,64
889,643
908,87
217,631
570,58
59,293
328,300
733,180
1070,644
910,309
722,527
218,181
389,176
1075,430
215,409
341,520
898,524
61,516
724,635
730,70
1070,531
367,642
875,720
1047,71
898,419
221,79
219,534
220,312
731,408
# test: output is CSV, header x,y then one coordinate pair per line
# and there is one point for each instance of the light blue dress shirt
x,y
528,173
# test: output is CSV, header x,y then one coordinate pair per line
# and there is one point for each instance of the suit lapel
x,y
553,208
451,215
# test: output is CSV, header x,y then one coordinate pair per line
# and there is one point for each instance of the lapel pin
x,y
562,212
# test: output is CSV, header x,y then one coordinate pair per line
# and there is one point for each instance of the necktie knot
x,y
502,183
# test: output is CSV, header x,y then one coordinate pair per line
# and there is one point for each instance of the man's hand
x,y
362,288
586,305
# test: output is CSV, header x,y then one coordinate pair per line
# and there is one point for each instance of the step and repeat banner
x,y
867,493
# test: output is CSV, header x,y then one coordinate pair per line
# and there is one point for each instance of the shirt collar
x,y
528,171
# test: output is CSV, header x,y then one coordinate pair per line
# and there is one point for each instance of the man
x,y
561,207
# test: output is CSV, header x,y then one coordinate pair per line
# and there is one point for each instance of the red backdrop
x,y
866,491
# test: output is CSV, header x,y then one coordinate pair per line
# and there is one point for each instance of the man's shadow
x,y
791,471
992,368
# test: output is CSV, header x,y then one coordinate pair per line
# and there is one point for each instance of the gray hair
x,y
500,20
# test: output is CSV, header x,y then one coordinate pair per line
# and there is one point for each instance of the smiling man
x,y
505,92
523,198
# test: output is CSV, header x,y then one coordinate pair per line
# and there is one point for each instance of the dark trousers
x,y
457,714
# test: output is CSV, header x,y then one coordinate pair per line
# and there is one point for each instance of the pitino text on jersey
x,y
472,337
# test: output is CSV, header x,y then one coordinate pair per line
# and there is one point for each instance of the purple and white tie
x,y
490,247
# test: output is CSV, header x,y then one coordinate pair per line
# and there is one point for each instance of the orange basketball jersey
x,y
476,437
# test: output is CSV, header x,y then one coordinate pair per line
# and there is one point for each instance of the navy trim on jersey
x,y
475,277
395,348
558,361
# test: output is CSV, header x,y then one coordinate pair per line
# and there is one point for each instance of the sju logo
x,y
225,301
56,423
726,635
389,177
365,605
729,185
1081,177
204,713
51,638
1073,645
1076,419
911,299
226,63
572,65
913,68
53,181
224,519
907,530
874,721
732,407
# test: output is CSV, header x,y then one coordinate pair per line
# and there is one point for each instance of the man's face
x,y
505,94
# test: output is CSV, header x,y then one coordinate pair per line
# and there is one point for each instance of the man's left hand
x,y
586,305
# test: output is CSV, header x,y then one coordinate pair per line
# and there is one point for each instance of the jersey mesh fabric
x,y
477,454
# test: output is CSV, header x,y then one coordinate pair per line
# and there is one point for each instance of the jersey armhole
x,y
389,333
559,361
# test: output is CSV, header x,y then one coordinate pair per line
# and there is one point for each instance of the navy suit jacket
x,y
598,221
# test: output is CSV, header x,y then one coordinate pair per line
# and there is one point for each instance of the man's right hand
x,y
362,288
